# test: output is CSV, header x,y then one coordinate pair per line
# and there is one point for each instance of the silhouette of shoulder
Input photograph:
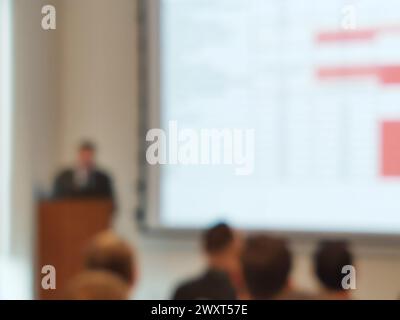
x,y
212,285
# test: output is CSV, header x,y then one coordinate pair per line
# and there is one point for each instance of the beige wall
x,y
35,130
97,94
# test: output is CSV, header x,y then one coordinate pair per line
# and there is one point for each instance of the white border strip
x,y
6,109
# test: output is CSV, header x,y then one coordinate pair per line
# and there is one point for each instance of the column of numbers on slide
x,y
328,128
323,100
267,57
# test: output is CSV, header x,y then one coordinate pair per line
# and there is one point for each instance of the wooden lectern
x,y
64,229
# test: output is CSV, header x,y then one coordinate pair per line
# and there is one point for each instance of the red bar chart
x,y
385,75
324,102
390,162
371,69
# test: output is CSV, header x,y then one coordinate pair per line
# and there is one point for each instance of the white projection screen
x,y
318,82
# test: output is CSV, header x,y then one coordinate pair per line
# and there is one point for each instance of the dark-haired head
x,y
87,145
218,238
266,265
222,246
329,259
86,154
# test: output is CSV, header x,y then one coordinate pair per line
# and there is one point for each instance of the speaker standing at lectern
x,y
84,180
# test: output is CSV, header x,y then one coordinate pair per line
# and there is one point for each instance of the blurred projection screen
x,y
317,82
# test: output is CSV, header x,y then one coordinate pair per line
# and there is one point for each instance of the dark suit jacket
x,y
212,285
99,186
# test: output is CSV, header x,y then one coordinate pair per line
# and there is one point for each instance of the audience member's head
x,y
266,265
330,258
86,154
97,285
108,252
222,246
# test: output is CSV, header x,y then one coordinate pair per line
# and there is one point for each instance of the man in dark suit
x,y
222,247
84,180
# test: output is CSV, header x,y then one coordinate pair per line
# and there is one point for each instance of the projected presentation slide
x,y
315,83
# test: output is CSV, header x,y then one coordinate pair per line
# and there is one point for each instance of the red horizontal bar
x,y
335,72
386,74
355,35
